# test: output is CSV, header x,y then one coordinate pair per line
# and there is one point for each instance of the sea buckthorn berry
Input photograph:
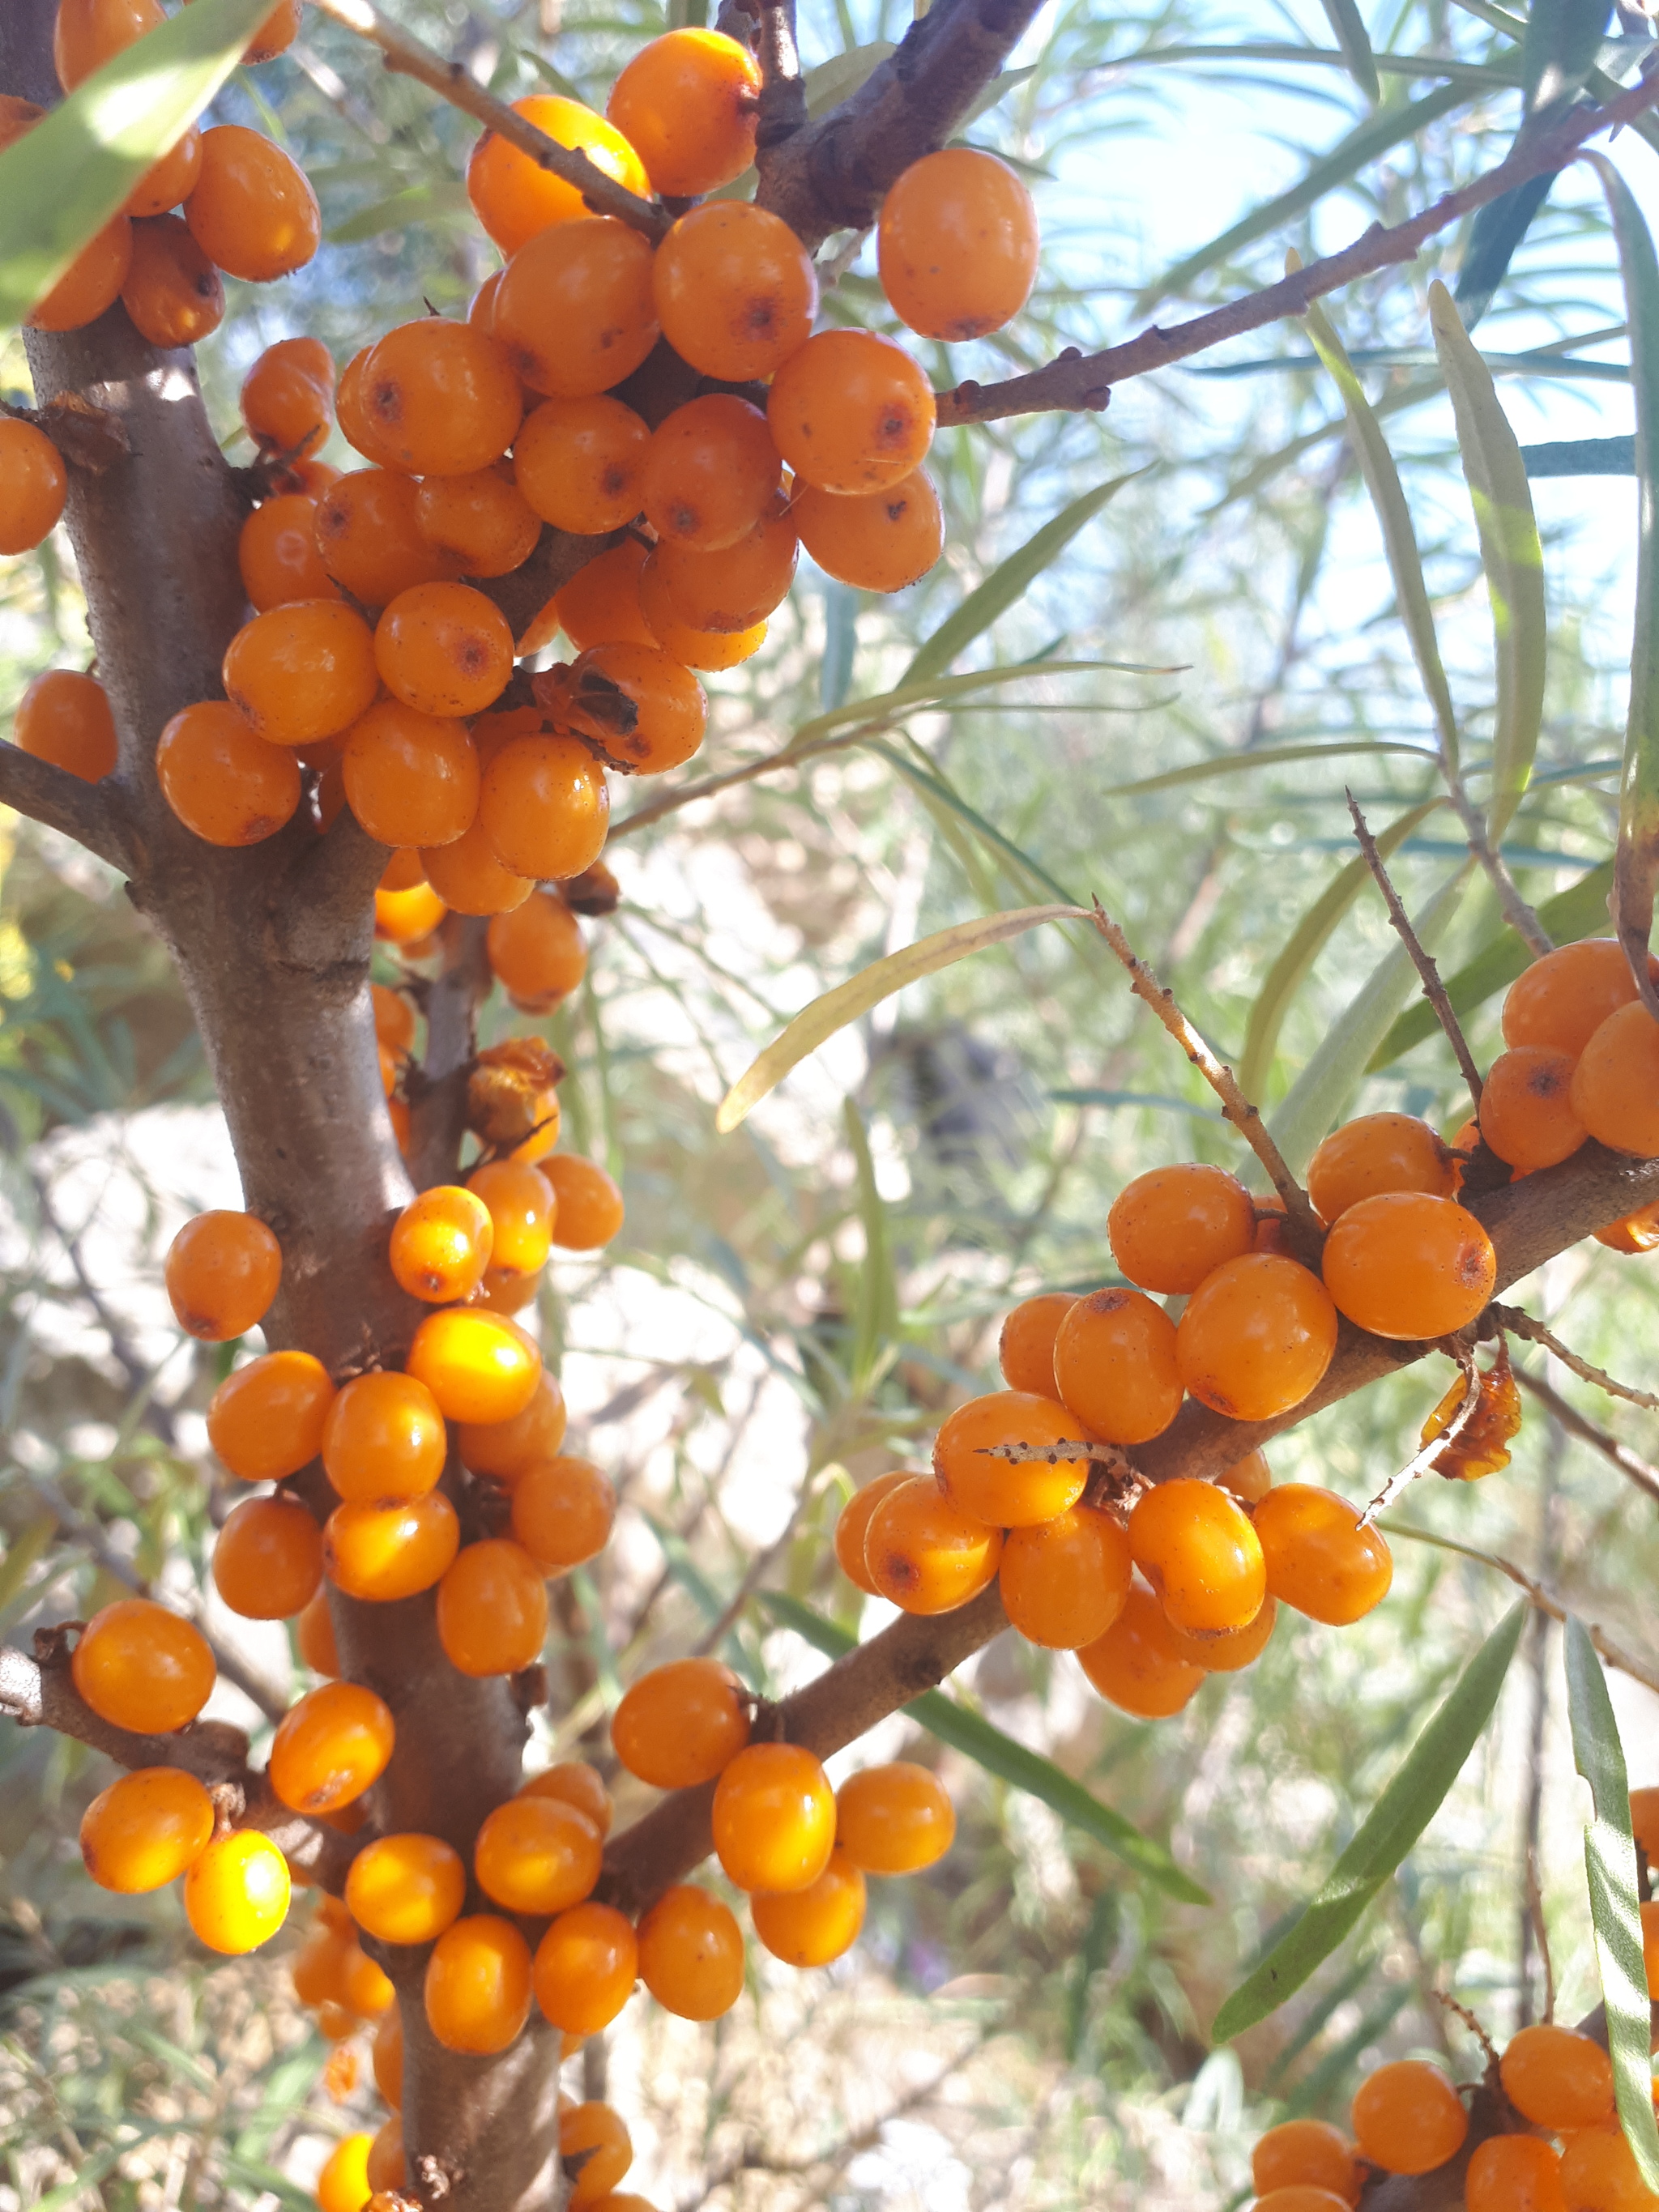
x,y
440,1245
443,650
1514,2173
1231,1650
537,953
508,1449
287,396
1256,1337
851,412
573,309
1171,1227
1301,2197
167,182
1026,1349
1635,1234
369,1991
90,285
276,553
1481,1445
956,244
313,1637
441,397
266,1421
708,649
562,1510
1195,1545
1005,1493
477,1984
924,1554
1558,2078
896,1819
86,34
1309,2151
64,718
735,291
302,672
1115,1370
735,589
595,2135
478,1366
222,780
1318,1560
468,879
1378,1153
33,484
173,294
681,1723
268,1561
710,473
643,707
252,210
386,2058
512,1099
492,1611
412,778
331,1746
379,1552
585,1967
600,604
514,199
876,541
480,521
1405,1265
1249,1479
774,1818
357,425
573,1782
853,1523
146,1829
1651,1942
537,1855
406,1888
223,1271
691,1954
1615,1085
810,1927
394,1017
1599,2173
1138,1665
343,2184
687,103
408,918
275,35
1561,1000
140,1667
587,1206
384,1439
579,463
1407,2118
1644,1822
370,539
236,1893
519,1203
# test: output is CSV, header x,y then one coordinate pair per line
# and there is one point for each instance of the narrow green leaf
x,y
1582,457
1510,552
63,181
841,75
935,785
1615,1912
1236,763
875,1311
413,203
1011,1762
29,1545
1348,29
1636,866
1008,581
819,1021
1387,1834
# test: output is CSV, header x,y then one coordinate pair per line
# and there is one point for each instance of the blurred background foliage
x,y
789,1310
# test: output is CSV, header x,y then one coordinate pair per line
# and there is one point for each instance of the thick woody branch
x,y
92,813
523,592
322,901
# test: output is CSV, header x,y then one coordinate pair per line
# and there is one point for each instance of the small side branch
x,y
783,88
93,814
1523,1324
1423,1460
1567,1415
1433,989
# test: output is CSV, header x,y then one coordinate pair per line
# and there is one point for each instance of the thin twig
x,y
1433,989
1237,1108
1629,1463
1423,1459
1470,2020
1523,1324
1519,915
1541,1932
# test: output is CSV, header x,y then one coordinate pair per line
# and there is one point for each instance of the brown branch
x,y
524,590
93,814
328,891
1523,1324
438,1087
1078,381
1433,989
1629,1463
783,88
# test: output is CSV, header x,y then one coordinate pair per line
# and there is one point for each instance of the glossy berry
x,y
370,540
774,1818
492,1610
735,291
1006,1493
1558,2078
286,397
1615,1085
440,1244
579,463
1138,1664
394,1017
876,541
168,181
537,1855
710,473
1172,1226
86,34
441,397
537,954
90,285
585,1967
851,412
408,918
225,783
276,553
1025,1350
731,592
1229,1650
601,602
1599,2173
644,708
405,1888
681,1723
514,199
1318,1560
412,778
575,310
140,1667
573,1782
379,1552
481,519
1115,1369
594,2134
384,1439
268,1561
1644,1821
587,1206
687,104
562,1510
64,718
343,2184
146,1829
331,1746
1376,1153
314,1638
1064,1581
813,1926
477,1984
896,1819
1635,1234
1407,2118
1526,1108
236,1893
251,210
478,1366
519,1202
924,1553
275,35
691,1954
302,672
443,650
1197,1548
1514,2173
468,879
223,1271
508,1449
1311,2152
1249,1479
1256,1337
1405,1265
852,1525
1561,1000
266,1421
173,294
956,244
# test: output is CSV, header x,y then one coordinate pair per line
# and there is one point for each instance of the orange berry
x,y
1644,1821
1256,1337
173,294
1249,1479
164,184
1404,1265
1138,1665
86,34
1195,1545
222,1270
1599,2173
357,425
146,1829
90,285
1115,1370
518,1201
537,1855
1407,2118
314,1638
810,1927
477,1984
287,396
1562,999
1309,2151
370,539
1003,1493
405,1888
574,1783
1171,1227
1317,1557
440,1246
693,648
222,780
140,1667
851,411
691,1954
573,308
252,210
236,1893
331,1746
896,1819
1635,1234
384,1439
735,589
600,604
64,718
443,650
275,35
1651,1942
394,1017
1231,1650
514,199
926,1555
481,519
1301,2197
687,103
593,2134
774,1818
478,1366
508,1449
1526,1108
1615,1085
1064,1581
387,2057
643,707
277,554
1558,2078
735,291
681,1723
1514,2174
441,398
1026,1349
379,1552
877,541
303,672
468,879
585,1967
1378,1153
710,473
33,484
587,1206
412,778
368,1991
562,1510
408,918
268,1561
265,1420
853,1523
956,244
343,2184
579,463
537,953
492,1611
